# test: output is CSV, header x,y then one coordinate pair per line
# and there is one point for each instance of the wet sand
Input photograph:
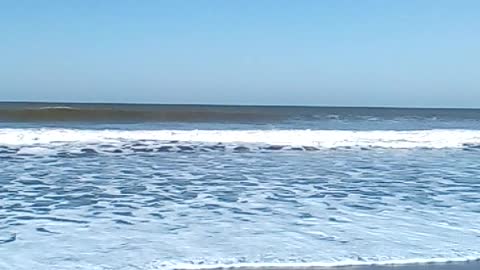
x,y
472,265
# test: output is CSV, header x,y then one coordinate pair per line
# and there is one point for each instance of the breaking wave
x,y
273,139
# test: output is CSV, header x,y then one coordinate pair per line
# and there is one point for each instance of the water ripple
x,y
277,205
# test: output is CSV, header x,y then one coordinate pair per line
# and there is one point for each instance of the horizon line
x,y
238,105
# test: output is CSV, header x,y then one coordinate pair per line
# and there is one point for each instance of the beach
x,y
470,265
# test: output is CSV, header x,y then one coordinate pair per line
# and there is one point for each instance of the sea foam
x,y
313,138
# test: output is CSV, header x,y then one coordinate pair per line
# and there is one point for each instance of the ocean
x,y
109,186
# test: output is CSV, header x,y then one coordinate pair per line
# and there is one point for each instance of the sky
x,y
405,53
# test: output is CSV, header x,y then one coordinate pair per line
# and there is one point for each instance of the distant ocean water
x,y
102,186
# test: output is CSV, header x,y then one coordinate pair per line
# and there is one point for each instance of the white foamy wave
x,y
313,138
312,265
56,108
35,151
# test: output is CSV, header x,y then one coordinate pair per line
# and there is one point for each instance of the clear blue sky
x,y
357,52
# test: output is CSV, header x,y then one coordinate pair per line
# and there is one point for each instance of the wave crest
x,y
292,138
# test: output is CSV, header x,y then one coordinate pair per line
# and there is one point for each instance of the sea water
x,y
164,187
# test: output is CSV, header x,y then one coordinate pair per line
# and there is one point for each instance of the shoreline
x,y
459,265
